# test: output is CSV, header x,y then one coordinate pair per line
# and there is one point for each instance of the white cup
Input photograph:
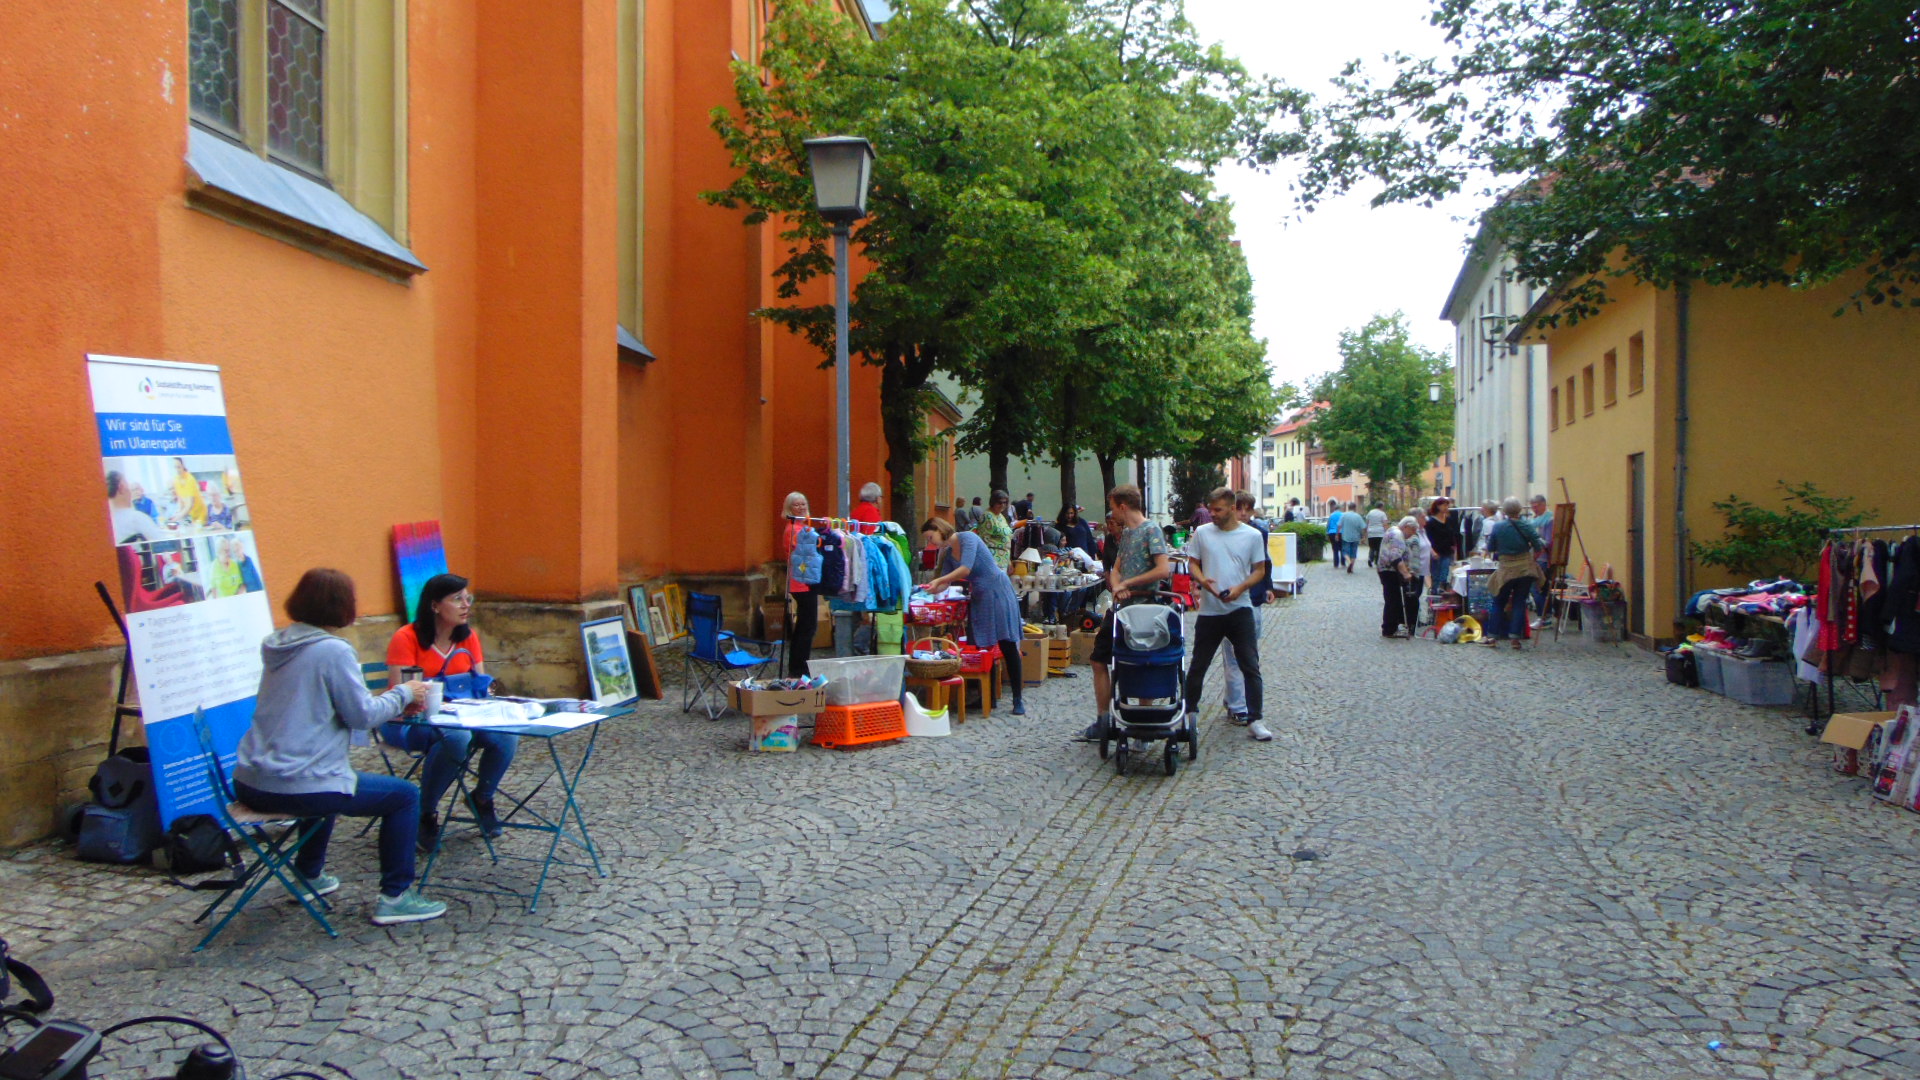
x,y
436,693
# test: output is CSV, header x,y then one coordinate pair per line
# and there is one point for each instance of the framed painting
x,y
646,673
639,610
609,666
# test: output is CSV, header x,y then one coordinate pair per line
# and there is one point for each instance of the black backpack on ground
x,y
196,843
1682,668
122,824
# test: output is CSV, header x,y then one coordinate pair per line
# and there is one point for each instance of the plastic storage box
x,y
1710,675
1603,620
1757,682
862,680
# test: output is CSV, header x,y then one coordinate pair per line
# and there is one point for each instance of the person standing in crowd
x,y
1023,510
1376,531
293,759
1257,596
1443,539
1202,515
868,508
997,531
1353,528
1513,542
1227,560
800,595
1542,522
1422,551
441,641
1483,526
1139,559
1396,574
1074,530
962,515
1334,541
993,611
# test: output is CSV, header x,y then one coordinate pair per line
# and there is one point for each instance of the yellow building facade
x,y
1669,401
1283,468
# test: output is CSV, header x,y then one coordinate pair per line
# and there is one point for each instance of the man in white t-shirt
x,y
1227,559
129,524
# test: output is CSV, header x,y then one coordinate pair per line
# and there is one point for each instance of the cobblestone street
x,y
1549,865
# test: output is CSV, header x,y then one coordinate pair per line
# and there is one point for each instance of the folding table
x,y
570,825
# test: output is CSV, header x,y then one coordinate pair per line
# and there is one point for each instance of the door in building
x,y
1636,543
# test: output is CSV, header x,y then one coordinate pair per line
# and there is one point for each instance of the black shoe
x,y
1239,719
429,831
1093,732
490,826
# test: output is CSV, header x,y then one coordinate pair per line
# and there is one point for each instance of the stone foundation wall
x,y
55,714
534,649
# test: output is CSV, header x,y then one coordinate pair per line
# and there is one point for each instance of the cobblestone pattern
x,y
1548,865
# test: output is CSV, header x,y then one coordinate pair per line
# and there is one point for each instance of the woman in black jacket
x,y
1443,536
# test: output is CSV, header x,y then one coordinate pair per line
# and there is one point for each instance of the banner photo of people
x,y
189,571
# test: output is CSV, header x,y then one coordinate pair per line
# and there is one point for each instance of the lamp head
x,y
841,166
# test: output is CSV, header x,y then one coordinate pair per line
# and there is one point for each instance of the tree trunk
x,y
901,381
1069,487
1107,464
996,466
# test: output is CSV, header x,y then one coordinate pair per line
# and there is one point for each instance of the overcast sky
x,y
1336,268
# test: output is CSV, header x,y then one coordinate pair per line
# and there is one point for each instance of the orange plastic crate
x,y
841,726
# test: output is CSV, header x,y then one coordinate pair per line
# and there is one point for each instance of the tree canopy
x,y
1376,416
1042,226
1742,142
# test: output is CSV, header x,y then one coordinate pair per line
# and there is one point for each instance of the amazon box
x,y
777,702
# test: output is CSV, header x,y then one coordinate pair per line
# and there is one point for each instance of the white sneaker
x,y
1257,731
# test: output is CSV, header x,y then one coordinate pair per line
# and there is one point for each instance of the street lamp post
x,y
841,166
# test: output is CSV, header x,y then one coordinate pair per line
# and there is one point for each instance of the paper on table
x,y
566,721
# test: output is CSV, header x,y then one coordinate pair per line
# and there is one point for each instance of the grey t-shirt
x,y
1228,558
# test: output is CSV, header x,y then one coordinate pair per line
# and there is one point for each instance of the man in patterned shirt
x,y
1142,561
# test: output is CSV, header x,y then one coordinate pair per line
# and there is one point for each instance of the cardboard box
x,y
1033,661
777,702
1852,729
1080,647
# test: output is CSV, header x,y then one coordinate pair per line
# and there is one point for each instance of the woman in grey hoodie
x,y
294,758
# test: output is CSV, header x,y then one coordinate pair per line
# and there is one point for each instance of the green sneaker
x,y
323,884
409,906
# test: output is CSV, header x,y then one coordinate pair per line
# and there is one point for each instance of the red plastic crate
x,y
841,726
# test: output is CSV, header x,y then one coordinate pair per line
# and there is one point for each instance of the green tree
x,y
1763,542
1757,142
1025,148
1378,417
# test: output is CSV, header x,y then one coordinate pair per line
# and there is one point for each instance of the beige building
x,y
1283,467
1500,388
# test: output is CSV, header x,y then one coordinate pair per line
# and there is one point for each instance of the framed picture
x,y
609,666
662,631
645,671
639,608
673,605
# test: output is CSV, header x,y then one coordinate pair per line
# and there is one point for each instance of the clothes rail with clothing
x,y
1866,611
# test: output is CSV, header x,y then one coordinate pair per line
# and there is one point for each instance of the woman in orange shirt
x,y
441,641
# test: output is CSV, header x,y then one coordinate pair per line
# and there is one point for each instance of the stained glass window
x,y
296,83
213,60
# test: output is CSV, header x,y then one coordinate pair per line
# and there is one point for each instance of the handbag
x,y
196,843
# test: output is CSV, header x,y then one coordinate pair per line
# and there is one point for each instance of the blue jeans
x,y
394,801
1442,573
1236,682
1509,619
446,749
1339,551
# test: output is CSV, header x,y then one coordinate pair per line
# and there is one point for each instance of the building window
x,y
1553,408
1569,399
1586,390
213,59
1610,377
297,83
1636,363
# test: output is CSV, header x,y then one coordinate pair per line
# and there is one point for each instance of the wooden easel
x,y
1566,532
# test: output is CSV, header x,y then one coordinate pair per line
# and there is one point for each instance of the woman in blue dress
x,y
993,610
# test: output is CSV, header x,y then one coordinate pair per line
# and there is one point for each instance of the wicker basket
x,y
934,669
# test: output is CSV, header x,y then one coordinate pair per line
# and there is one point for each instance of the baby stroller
x,y
1149,679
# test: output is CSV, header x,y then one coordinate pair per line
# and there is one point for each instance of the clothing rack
x,y
1876,528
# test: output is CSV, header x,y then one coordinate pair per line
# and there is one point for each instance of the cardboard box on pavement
x,y
777,702
1080,647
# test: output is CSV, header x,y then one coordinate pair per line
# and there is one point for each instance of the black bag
x,y
196,843
1682,668
39,999
123,824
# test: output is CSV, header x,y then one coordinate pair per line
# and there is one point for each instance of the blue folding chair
x,y
273,853
716,656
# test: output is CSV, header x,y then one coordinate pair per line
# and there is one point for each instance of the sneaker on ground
x,y
1257,731
323,884
1239,718
1091,733
409,906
